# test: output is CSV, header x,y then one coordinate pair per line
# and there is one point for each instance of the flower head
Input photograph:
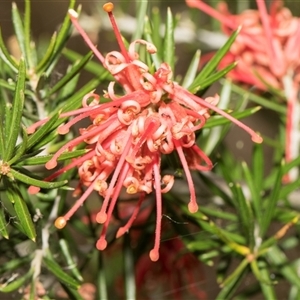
x,y
267,50
128,135
266,45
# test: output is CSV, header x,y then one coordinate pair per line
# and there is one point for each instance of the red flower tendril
x,y
129,134
267,50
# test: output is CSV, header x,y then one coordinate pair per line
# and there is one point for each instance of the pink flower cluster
x,y
268,53
129,134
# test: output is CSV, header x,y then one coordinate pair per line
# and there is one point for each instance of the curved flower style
x,y
267,50
129,134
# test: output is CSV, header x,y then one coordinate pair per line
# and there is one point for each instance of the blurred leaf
x,y
129,270
258,168
169,43
279,259
15,283
220,214
14,264
213,63
246,216
269,206
217,120
267,289
148,32
44,62
216,76
62,37
14,120
264,102
57,271
255,192
156,23
216,190
30,51
192,70
35,182
140,17
70,261
211,138
19,31
77,67
232,282
5,55
91,66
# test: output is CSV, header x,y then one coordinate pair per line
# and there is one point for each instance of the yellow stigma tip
x,y
108,7
60,222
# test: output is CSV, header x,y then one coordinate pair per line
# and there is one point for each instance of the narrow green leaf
x,y
140,18
192,70
15,283
70,261
156,58
232,240
92,67
213,63
29,49
215,77
287,189
279,259
14,264
156,32
46,60
271,202
208,257
6,55
218,120
266,285
129,270
35,182
101,278
2,126
246,216
216,190
75,101
14,122
20,150
232,282
19,30
169,43
211,138
22,211
3,223
64,32
69,89
203,245
264,102
57,271
41,160
258,167
255,192
42,132
77,67
213,212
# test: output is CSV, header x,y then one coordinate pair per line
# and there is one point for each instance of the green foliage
x,y
243,231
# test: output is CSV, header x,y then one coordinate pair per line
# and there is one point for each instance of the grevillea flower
x,y
129,134
267,50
